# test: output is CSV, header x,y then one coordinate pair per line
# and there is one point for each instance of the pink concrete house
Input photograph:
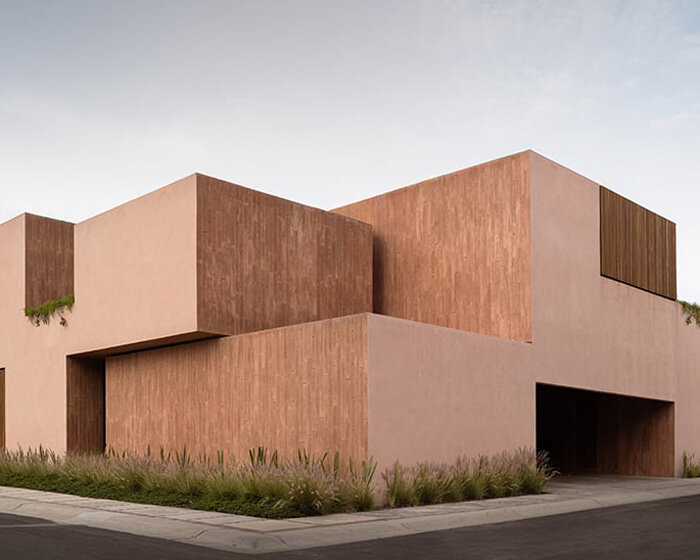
x,y
512,303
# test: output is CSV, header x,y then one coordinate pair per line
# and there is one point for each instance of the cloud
x,y
326,103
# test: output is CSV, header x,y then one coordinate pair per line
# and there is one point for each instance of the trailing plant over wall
x,y
691,311
44,312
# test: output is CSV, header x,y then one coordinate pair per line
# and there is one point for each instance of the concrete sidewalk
x,y
250,535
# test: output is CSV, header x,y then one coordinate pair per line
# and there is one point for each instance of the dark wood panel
x,y
265,262
637,247
604,433
455,250
296,387
2,409
48,259
636,436
85,405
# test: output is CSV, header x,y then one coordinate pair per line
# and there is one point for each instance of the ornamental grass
x,y
691,466
499,476
265,485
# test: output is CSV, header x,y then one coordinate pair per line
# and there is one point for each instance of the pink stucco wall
x,y
35,402
435,392
135,280
432,392
687,391
136,270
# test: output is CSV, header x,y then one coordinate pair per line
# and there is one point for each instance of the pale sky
x,y
328,102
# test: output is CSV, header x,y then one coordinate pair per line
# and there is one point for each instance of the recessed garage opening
x,y
587,432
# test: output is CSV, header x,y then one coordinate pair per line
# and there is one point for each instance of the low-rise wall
x,y
298,387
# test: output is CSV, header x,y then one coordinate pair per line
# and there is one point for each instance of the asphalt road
x,y
664,529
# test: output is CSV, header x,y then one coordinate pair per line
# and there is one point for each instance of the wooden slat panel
x,y
637,247
85,397
635,436
48,259
296,387
265,262
455,251
604,433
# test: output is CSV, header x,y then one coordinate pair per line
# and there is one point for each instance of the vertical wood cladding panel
x,y
85,405
296,387
635,436
264,262
637,247
455,251
48,259
604,433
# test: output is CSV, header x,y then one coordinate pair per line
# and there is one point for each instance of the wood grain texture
x,y
455,251
604,433
2,409
48,259
299,387
85,408
637,247
636,436
265,262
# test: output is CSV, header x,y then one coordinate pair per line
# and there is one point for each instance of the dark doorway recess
x,y
85,405
603,433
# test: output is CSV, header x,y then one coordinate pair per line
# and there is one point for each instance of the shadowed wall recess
x,y
590,432
85,405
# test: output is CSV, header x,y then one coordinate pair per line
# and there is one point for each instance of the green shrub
x,y
505,474
225,486
473,487
359,492
691,467
691,312
44,312
313,491
400,487
432,483
534,476
502,473
268,486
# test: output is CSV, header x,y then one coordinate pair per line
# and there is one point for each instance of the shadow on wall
x,y
590,432
85,406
